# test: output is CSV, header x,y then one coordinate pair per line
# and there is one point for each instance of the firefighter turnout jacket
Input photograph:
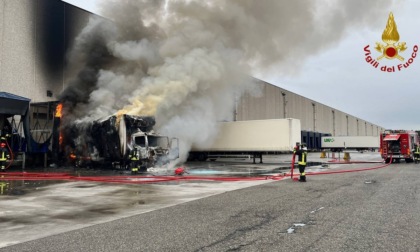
x,y
302,154
4,155
134,158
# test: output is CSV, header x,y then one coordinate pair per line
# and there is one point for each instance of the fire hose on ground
x,y
142,179
343,171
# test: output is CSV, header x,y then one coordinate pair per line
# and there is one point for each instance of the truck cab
x,y
154,149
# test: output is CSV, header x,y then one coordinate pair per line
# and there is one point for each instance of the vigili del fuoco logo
x,y
391,49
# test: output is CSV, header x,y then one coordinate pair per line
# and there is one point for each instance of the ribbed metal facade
x,y
275,103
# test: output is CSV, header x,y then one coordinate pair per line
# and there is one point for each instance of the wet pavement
x,y
31,209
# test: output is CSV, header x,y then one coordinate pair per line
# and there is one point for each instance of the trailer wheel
x,y
408,160
143,169
387,160
191,157
201,157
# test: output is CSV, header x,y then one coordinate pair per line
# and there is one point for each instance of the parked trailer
x,y
398,144
253,138
359,143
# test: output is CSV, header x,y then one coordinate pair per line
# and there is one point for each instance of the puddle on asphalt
x,y
23,187
308,164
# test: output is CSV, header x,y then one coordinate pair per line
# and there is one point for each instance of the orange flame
x,y
58,114
58,110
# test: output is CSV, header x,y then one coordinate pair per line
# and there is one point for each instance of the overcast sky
x,y
340,77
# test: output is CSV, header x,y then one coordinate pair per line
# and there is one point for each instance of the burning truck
x,y
111,143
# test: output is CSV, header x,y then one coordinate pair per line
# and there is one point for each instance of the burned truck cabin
x,y
151,141
152,148
113,139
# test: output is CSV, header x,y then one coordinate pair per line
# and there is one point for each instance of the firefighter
x,y
4,154
134,158
416,153
302,154
6,132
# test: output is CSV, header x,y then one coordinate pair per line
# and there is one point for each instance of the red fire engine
x,y
398,144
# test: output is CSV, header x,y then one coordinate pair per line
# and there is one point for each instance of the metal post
x,y
23,160
347,124
314,111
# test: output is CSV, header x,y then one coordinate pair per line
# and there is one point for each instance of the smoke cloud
x,y
188,61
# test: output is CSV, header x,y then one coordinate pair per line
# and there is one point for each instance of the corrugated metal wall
x,y
275,102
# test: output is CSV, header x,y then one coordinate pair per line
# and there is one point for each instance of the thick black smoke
x,y
187,61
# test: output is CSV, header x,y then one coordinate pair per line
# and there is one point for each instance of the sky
x,y
339,76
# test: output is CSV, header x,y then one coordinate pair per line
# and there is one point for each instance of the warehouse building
x,y
34,38
277,103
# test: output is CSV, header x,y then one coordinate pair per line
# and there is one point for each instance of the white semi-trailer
x,y
254,138
358,143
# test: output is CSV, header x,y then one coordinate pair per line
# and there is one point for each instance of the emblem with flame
x,y
391,36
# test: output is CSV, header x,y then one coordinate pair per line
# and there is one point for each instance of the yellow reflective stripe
x,y
303,158
302,174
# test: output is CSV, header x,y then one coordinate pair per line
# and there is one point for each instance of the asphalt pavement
x,y
368,210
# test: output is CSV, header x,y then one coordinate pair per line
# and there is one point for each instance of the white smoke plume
x,y
187,61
